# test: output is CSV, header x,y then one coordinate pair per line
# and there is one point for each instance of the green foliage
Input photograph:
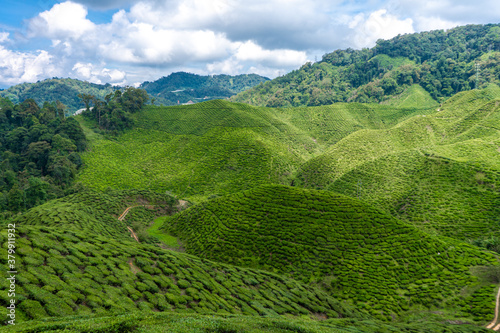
x,y
351,249
218,147
56,89
40,154
441,62
439,172
148,322
115,113
114,275
97,212
182,87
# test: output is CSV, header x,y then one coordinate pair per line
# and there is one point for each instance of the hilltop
x,y
439,171
57,89
183,87
435,60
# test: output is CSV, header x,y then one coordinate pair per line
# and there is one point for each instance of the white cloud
x,y
19,67
62,21
378,25
147,39
4,36
425,23
249,51
89,72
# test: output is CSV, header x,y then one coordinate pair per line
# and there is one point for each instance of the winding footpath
x,y
492,324
125,212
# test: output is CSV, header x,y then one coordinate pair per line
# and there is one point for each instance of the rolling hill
x,y
436,171
218,147
64,90
351,249
224,217
79,260
176,88
183,87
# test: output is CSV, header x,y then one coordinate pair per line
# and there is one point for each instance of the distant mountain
x,y
177,88
442,62
51,90
181,87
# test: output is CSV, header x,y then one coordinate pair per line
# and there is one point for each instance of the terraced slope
x,y
219,147
66,272
440,171
351,249
96,212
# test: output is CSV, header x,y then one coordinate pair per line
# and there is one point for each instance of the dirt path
x,y
133,234
181,205
492,324
125,212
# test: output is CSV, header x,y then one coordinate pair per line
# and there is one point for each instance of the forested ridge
x,y
442,62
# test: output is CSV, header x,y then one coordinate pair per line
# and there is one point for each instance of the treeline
x,y
442,62
114,113
39,153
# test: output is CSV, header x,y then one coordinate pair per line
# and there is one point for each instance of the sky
x,y
126,42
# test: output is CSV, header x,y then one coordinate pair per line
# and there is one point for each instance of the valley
x,y
370,214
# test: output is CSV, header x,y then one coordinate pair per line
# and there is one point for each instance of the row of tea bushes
x,y
353,250
64,272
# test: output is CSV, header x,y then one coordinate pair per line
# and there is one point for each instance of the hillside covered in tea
x,y
376,213
353,250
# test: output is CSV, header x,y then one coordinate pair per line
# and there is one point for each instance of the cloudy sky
x,y
127,42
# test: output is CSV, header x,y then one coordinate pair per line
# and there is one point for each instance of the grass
x,y
413,96
97,212
168,240
196,323
349,248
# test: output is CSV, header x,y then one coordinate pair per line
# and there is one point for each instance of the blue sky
x,y
128,42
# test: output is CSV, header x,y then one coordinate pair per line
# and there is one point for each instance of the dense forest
x,y
442,62
114,114
39,153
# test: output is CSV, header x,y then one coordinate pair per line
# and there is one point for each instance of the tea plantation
x,y
69,272
217,147
351,249
343,218
151,322
439,172
96,212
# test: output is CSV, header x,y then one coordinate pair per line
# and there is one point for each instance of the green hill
x,y
218,147
438,171
176,88
435,60
351,249
64,90
67,272
96,212
182,87
151,322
